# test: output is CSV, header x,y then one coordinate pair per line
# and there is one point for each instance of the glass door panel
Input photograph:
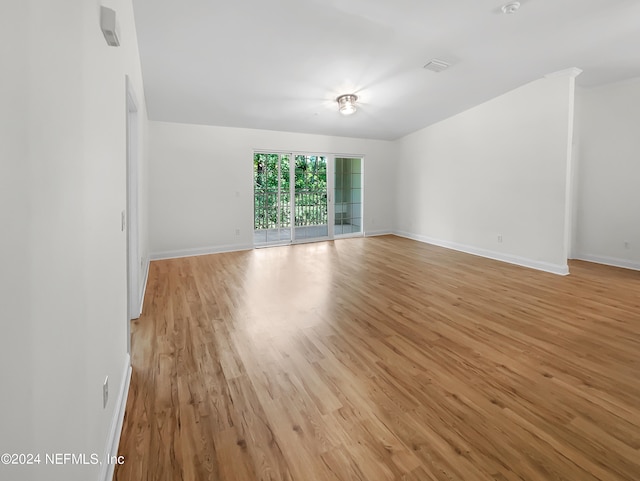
x,y
348,197
272,198
291,198
311,209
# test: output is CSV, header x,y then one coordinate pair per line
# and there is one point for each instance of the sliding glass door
x,y
271,198
291,201
311,203
348,197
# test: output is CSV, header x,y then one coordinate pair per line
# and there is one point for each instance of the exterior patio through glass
x,y
291,201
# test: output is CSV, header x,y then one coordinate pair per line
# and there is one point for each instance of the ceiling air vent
x,y
436,65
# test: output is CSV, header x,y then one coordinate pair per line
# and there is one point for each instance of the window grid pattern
x,y
348,196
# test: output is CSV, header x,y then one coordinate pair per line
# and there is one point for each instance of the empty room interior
x,y
299,240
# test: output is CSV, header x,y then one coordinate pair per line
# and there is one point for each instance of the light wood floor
x,y
383,359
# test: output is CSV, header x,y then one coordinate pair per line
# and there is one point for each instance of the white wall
x,y
104,71
608,187
201,183
17,430
499,168
66,170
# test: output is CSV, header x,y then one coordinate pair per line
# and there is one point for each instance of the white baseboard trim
x,y
143,287
373,233
558,269
609,261
199,251
113,439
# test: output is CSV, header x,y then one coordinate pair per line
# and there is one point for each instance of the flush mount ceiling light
x,y
510,8
347,104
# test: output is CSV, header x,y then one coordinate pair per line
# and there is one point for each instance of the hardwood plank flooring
x,y
382,359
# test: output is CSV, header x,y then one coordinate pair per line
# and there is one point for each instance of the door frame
x,y
330,193
330,182
132,212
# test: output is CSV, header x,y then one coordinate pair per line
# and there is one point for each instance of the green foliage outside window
x,y
272,206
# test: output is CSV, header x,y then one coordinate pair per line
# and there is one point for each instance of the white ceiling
x,y
280,64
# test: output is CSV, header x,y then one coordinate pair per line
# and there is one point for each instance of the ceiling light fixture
x,y
510,8
347,104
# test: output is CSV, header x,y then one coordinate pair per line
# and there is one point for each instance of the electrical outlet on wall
x,y
105,392
237,231
499,238
627,244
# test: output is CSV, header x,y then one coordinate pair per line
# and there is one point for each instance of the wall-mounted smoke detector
x,y
109,26
510,8
436,65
